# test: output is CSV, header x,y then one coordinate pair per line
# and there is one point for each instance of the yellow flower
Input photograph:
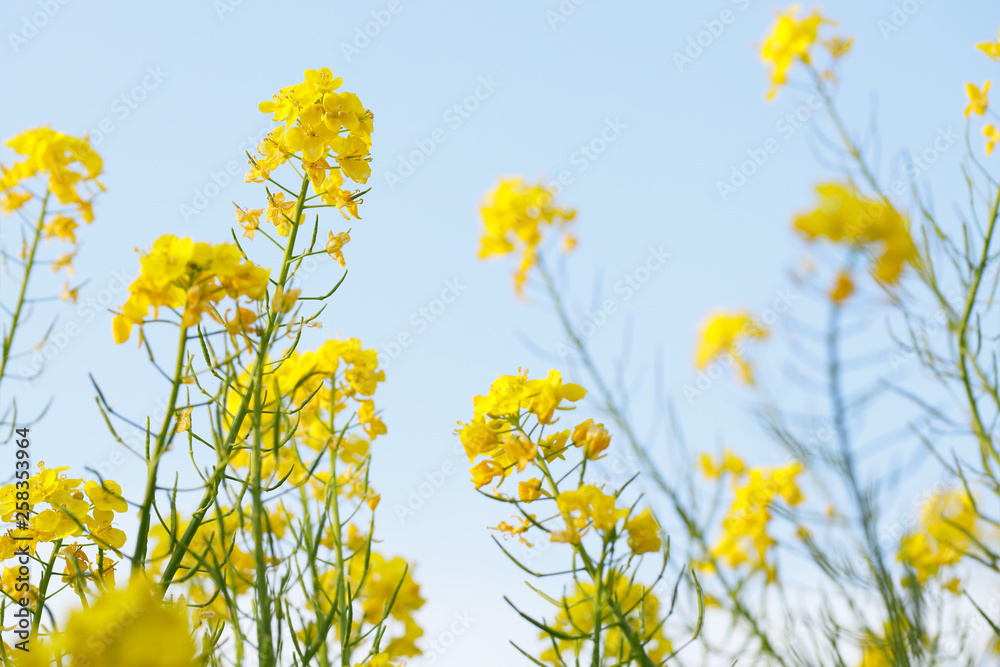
x,y
323,80
61,227
838,47
180,273
101,530
64,261
67,161
977,99
12,201
949,529
183,420
992,137
249,220
843,216
643,533
516,530
335,245
106,496
729,463
282,301
724,334
478,437
69,294
278,211
843,288
745,537
790,41
530,490
513,215
992,49
586,506
128,628
579,616
594,439
541,397
366,416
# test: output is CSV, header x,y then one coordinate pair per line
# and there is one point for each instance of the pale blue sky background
x,y
557,88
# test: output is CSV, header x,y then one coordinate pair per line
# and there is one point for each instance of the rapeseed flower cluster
x,y
724,334
746,538
515,215
844,216
950,529
181,274
791,41
60,508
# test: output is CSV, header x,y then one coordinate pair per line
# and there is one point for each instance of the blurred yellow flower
x,y
992,49
977,99
843,288
843,216
724,333
992,137
514,214
643,533
790,40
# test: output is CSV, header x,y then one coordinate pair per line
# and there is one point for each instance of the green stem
x,y
153,460
43,587
265,644
212,487
8,340
623,423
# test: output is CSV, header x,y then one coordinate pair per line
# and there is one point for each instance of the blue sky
x,y
169,93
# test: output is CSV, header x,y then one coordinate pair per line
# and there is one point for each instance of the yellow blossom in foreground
x,y
790,41
724,334
514,214
122,628
844,216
